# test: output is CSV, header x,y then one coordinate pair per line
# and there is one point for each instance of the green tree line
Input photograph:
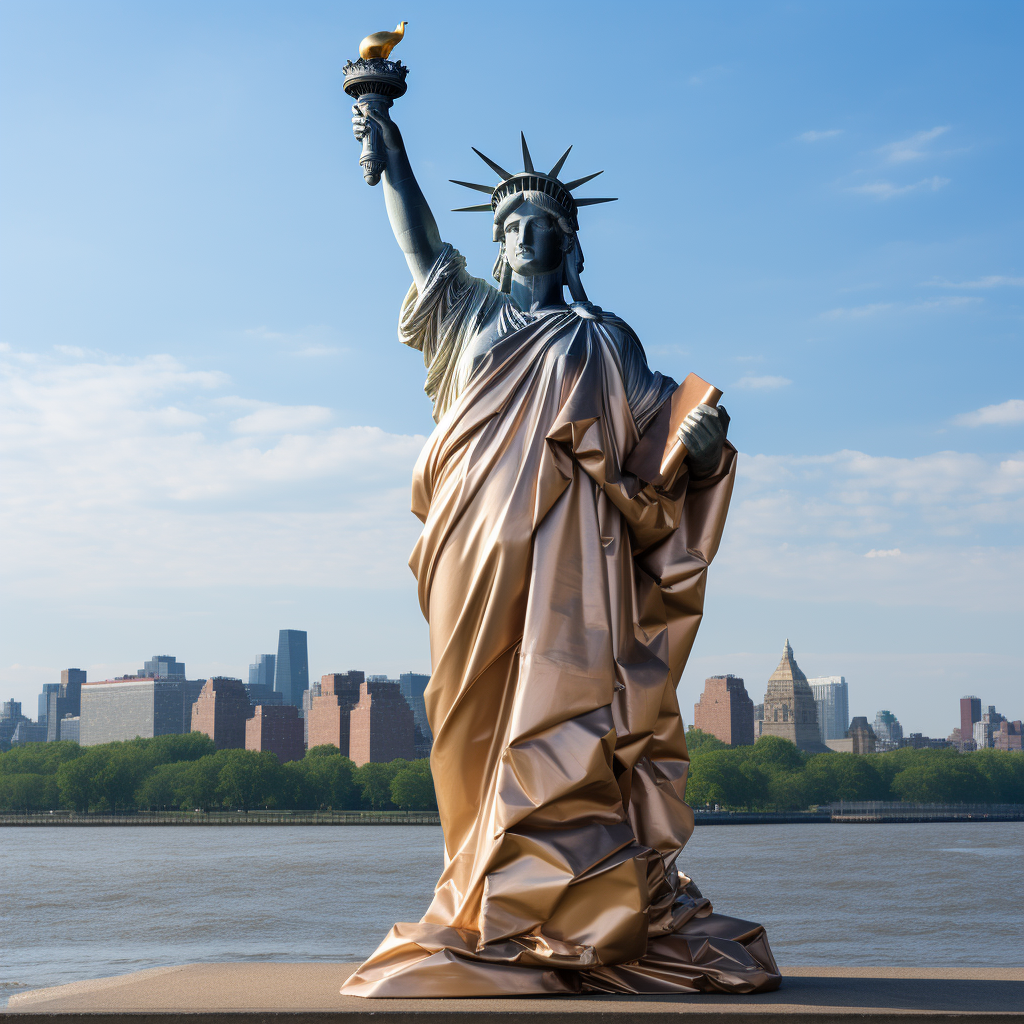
x,y
774,775
187,772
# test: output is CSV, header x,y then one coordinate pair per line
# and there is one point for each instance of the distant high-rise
x,y
832,702
725,711
164,666
67,700
44,701
121,709
381,725
789,709
221,712
970,712
292,669
11,709
888,731
986,730
412,685
261,671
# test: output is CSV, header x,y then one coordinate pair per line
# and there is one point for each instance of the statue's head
x,y
534,238
535,222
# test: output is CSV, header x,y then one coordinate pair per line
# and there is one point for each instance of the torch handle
x,y
373,159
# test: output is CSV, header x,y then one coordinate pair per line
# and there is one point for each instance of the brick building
x,y
970,712
381,725
1008,736
328,717
221,712
277,728
725,710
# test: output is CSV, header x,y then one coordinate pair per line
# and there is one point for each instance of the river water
x,y
87,902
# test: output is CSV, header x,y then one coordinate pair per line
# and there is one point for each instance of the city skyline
x,y
210,425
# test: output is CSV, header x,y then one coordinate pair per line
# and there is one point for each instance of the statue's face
x,y
534,243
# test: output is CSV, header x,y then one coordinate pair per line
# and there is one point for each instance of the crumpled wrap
x,y
563,596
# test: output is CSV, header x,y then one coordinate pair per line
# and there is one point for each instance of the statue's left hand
x,y
703,432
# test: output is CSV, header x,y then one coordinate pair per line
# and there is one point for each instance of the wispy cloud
x,y
883,190
876,308
993,281
765,383
804,527
1004,414
112,465
829,133
282,419
912,148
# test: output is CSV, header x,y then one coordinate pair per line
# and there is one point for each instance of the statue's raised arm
x,y
411,220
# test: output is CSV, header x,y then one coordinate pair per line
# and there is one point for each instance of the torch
x,y
375,82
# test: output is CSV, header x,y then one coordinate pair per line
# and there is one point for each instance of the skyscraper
x,y
888,731
164,666
65,701
44,701
412,685
970,712
292,668
261,671
832,700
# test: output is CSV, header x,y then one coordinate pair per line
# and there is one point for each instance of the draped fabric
x,y
563,596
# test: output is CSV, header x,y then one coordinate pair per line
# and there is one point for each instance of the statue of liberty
x,y
563,584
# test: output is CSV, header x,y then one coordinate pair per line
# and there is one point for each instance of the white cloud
x,y
812,136
282,419
765,383
876,308
993,281
1002,415
883,190
912,148
122,473
798,526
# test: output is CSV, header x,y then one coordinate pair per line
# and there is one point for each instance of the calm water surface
x,y
87,902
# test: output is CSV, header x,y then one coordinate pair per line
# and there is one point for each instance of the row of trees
x,y
774,775
187,772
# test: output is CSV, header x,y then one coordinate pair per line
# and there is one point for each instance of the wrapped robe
x,y
563,595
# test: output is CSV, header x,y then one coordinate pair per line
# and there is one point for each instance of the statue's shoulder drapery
x,y
442,320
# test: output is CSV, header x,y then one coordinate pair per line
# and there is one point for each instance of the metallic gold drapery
x,y
563,596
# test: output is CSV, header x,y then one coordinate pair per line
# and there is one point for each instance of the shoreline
x,y
892,814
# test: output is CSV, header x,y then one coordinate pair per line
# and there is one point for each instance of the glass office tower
x,y
292,670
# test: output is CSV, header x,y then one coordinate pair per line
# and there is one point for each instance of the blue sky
x,y
208,422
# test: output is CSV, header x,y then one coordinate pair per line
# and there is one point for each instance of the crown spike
x,y
591,202
570,185
497,168
553,173
485,208
469,184
527,159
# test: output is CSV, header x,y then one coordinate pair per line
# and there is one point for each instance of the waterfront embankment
x,y
876,812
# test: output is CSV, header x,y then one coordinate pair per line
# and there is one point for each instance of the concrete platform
x,y
301,993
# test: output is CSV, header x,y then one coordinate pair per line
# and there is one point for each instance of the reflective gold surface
x,y
563,594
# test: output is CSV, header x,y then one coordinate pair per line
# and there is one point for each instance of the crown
x,y
531,180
